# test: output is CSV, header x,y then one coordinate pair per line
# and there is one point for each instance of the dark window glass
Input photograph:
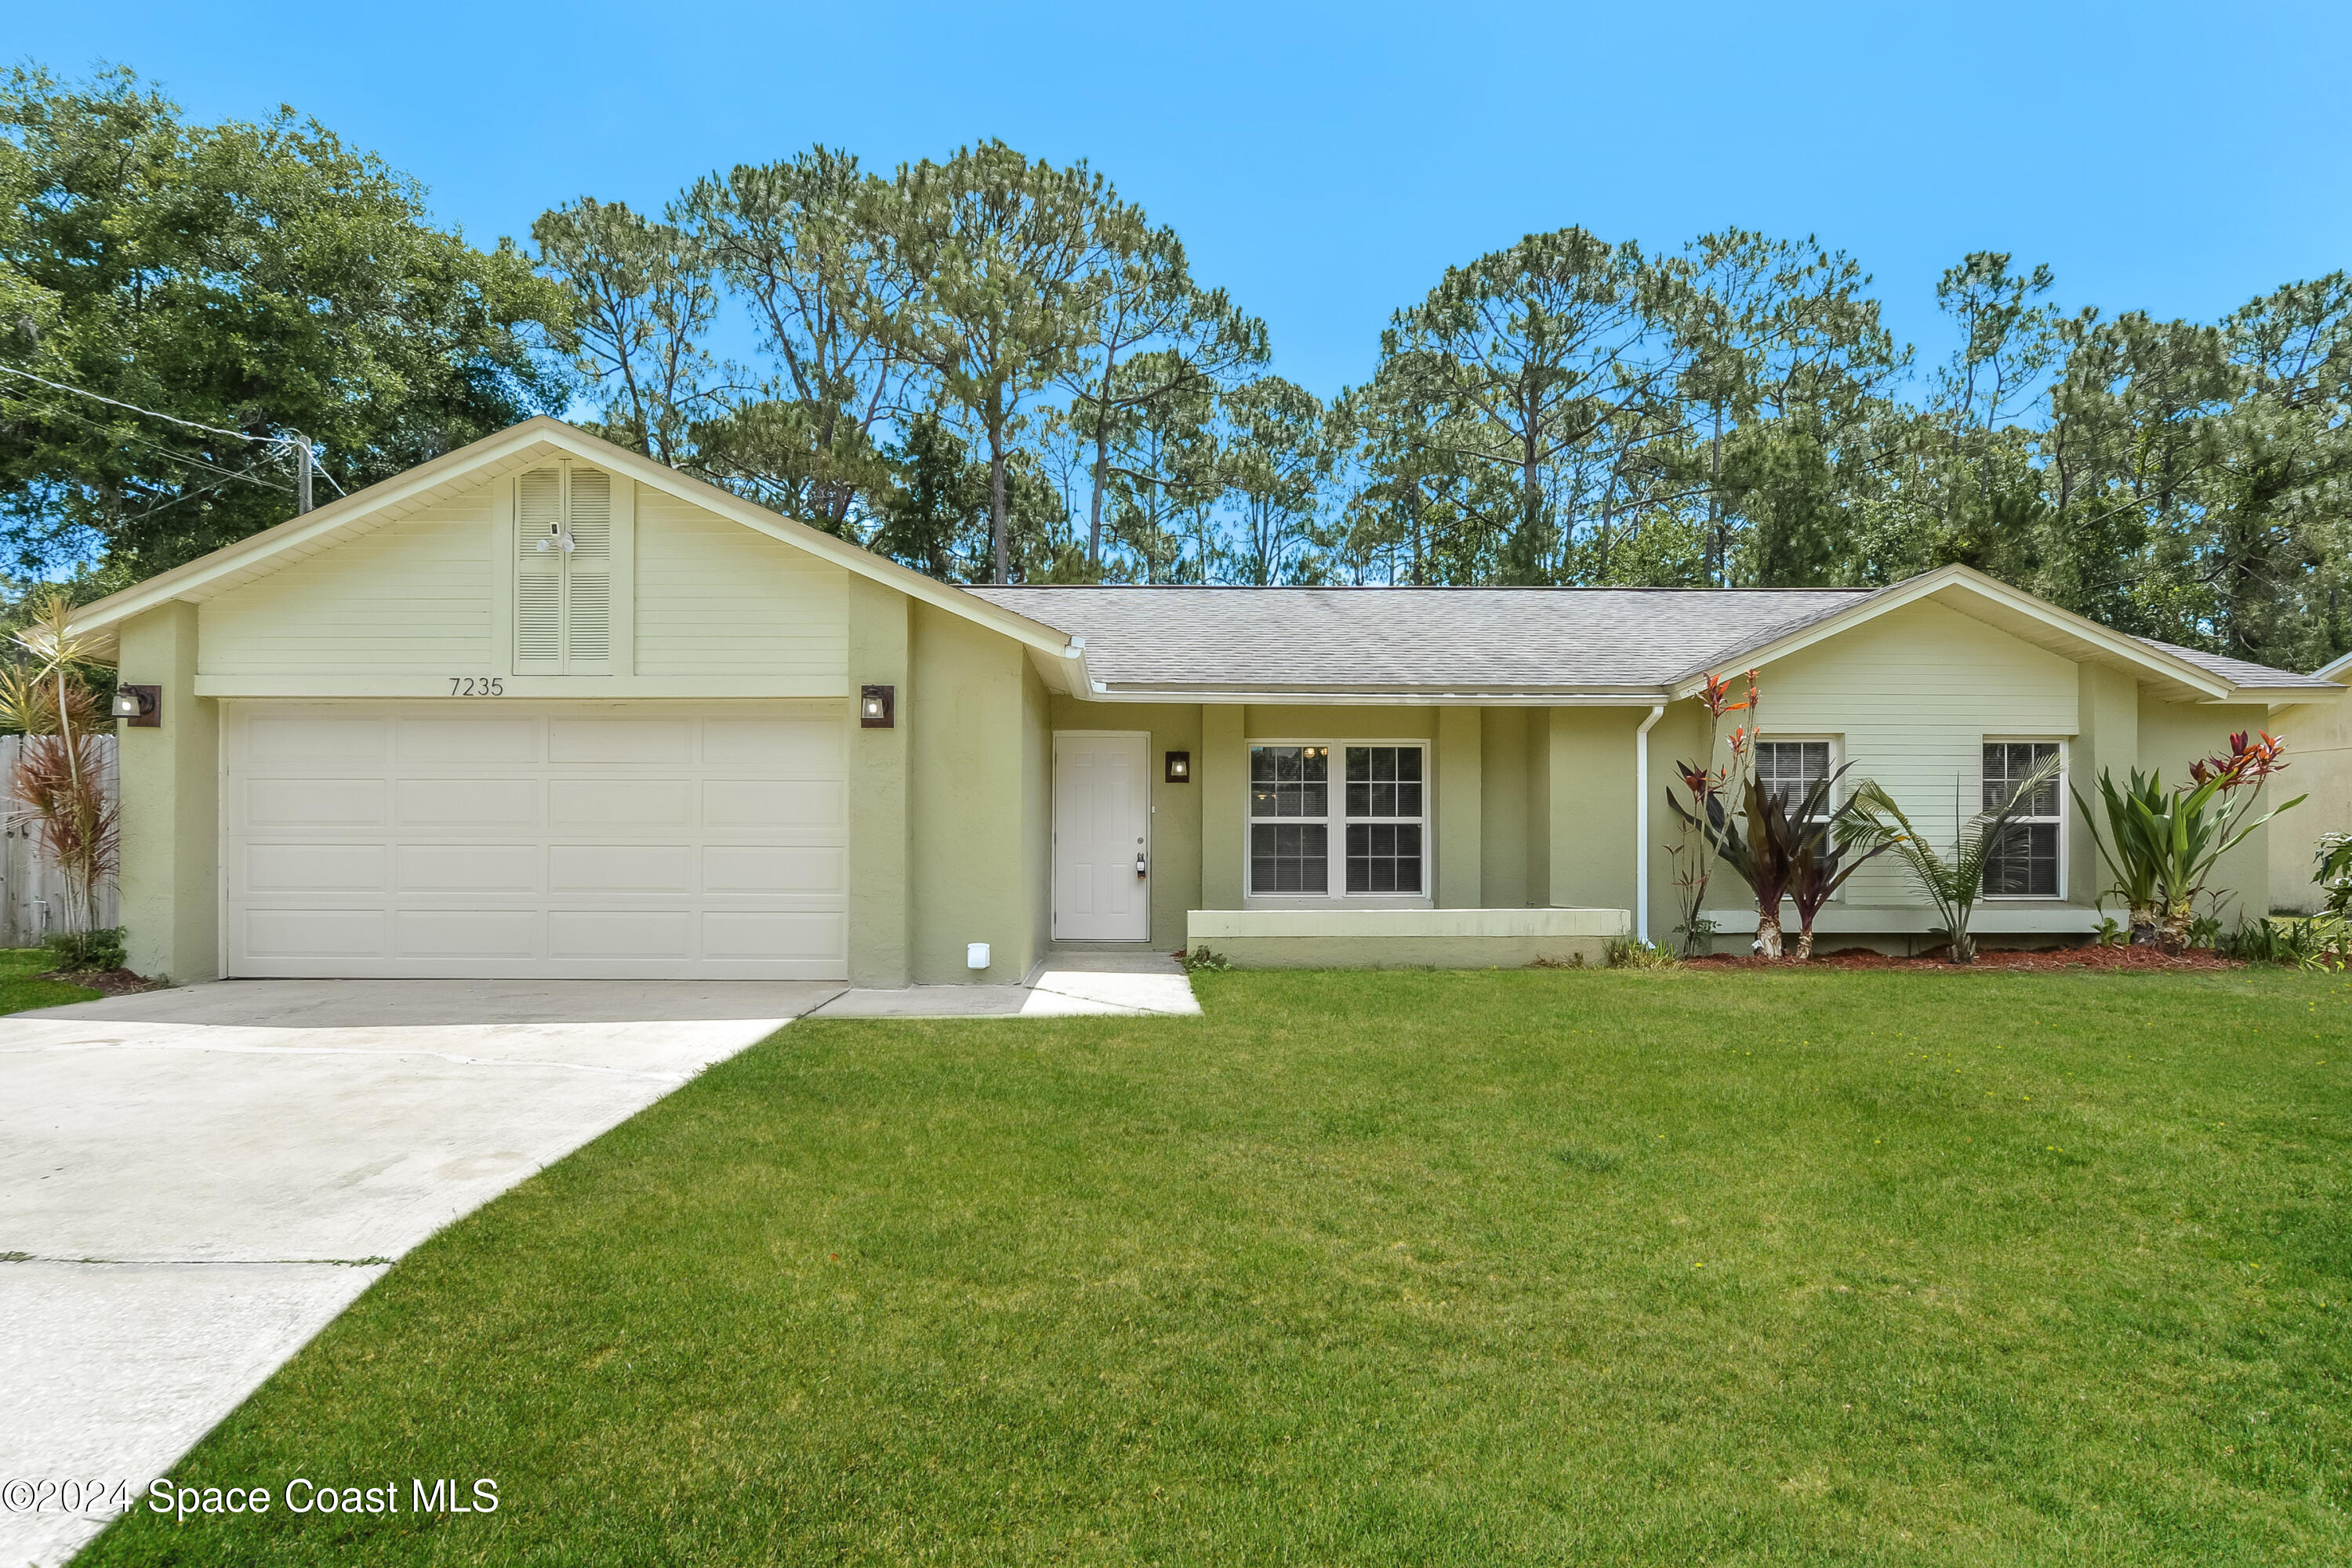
x,y
1785,770
1290,857
2006,764
1384,858
1290,781
2024,865
1385,781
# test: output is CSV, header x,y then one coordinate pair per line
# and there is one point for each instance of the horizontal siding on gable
x,y
714,597
410,597
1913,694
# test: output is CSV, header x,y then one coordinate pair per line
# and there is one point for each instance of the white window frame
x,y
2066,830
1836,744
1335,826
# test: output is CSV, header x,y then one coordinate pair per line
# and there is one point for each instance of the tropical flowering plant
x,y
2160,844
1704,822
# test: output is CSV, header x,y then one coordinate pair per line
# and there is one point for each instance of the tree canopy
x,y
993,368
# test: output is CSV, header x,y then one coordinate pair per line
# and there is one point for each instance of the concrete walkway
x,y
193,1183
1065,982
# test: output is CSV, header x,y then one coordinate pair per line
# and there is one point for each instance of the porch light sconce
x,y
141,706
875,704
1180,767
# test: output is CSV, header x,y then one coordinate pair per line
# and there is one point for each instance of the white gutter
x,y
1642,824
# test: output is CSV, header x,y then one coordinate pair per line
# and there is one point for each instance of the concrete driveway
x,y
193,1183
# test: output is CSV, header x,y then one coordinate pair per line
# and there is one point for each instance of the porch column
x,y
1460,803
2108,725
1222,769
170,879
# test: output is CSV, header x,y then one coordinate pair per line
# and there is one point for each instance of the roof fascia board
x,y
1929,584
2338,670
1360,696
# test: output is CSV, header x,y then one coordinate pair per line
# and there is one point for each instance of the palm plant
x,y
59,775
1954,881
1823,853
2161,845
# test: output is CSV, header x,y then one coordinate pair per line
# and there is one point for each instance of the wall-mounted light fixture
x,y
875,705
141,706
1180,767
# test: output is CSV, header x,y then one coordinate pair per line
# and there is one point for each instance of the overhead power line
x,y
116,402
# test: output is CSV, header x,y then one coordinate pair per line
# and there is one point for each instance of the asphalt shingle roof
x,y
1440,640
1448,639
2240,672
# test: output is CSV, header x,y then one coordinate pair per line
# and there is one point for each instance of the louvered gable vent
x,y
563,596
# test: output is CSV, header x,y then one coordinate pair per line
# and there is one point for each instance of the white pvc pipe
x,y
1642,823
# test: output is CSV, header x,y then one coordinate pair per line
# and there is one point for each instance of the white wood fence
x,y
32,885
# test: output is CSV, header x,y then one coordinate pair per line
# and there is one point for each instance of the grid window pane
x,y
1290,857
1384,858
2026,864
1384,781
2006,764
1785,770
1290,781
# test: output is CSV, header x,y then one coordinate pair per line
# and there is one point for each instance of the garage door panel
x,y
470,804
808,746
620,742
487,869
477,740
667,868
359,868
345,740
645,803
814,870
276,803
469,935
620,933
812,806
317,933
536,839
810,938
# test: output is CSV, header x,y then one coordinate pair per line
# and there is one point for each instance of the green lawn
x,y
1412,1268
19,990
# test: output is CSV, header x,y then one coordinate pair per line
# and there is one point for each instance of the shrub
x,y
99,949
1202,961
1632,953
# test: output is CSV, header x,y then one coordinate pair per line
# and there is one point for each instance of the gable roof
x,y
518,447
1546,644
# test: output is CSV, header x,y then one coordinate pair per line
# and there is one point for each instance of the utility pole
x,y
302,473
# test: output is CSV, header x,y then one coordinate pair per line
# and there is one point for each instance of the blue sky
x,y
1326,163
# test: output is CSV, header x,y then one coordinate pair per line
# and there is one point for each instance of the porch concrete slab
x,y
191,1192
1063,985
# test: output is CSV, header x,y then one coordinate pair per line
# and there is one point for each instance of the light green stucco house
x,y
544,707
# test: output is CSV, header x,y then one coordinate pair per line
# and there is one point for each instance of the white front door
x,y
1102,830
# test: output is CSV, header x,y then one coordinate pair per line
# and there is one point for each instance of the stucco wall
x,y
974,724
2174,734
169,879
2319,763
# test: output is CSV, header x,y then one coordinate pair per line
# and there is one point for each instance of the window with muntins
x,y
1785,770
1378,812
2025,863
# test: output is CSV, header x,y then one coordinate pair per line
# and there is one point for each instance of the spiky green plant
x,y
1951,883
2161,845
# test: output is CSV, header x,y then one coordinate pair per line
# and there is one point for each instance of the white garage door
x,y
634,840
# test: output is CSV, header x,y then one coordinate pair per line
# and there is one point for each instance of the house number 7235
x,y
476,686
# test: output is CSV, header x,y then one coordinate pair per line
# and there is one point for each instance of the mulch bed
x,y
107,982
2087,957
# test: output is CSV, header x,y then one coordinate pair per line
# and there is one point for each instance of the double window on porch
x,y
1365,805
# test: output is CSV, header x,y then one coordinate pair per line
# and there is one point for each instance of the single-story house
x,y
545,708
